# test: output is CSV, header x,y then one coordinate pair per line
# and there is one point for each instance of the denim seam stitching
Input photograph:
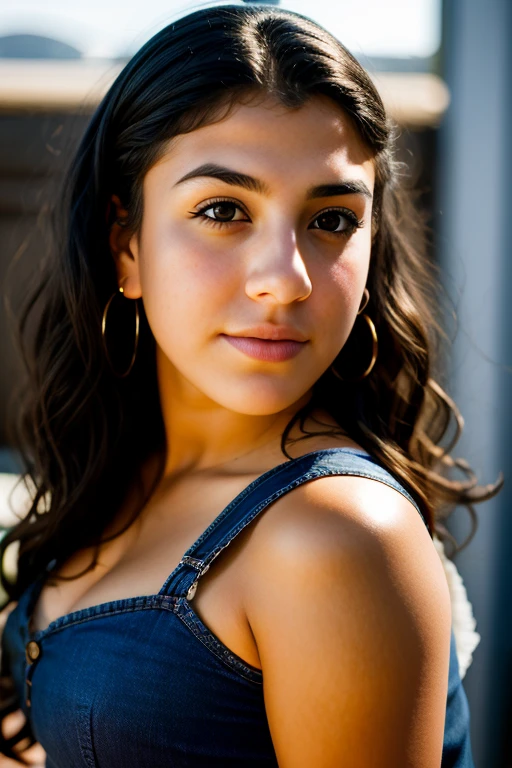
x,y
108,610
221,651
84,735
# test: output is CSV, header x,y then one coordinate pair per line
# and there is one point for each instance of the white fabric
x,y
463,621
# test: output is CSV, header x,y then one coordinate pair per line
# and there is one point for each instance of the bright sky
x,y
109,28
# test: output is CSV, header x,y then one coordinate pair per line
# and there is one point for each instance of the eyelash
x,y
353,221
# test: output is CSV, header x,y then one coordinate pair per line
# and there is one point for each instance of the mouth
x,y
269,350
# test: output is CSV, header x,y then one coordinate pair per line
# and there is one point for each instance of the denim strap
x,y
260,494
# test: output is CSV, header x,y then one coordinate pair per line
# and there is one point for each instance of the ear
x,y
124,247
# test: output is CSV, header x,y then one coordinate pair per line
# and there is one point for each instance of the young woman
x,y
228,560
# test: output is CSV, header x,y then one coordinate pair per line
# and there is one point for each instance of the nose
x,y
277,271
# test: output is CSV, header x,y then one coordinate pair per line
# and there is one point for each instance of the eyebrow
x,y
228,176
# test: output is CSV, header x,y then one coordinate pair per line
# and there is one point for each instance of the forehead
x,y
273,141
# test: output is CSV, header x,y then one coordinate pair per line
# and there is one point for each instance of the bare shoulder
x,y
350,610
355,523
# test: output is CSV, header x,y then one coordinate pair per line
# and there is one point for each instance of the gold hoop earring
x,y
364,302
375,350
103,327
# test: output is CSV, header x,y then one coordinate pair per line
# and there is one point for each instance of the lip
x,y
270,333
274,344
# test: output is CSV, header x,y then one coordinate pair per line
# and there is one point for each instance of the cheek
x,y
339,293
184,287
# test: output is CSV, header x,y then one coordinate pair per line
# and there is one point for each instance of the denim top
x,y
143,682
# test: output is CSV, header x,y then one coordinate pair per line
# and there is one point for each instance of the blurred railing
x,y
412,98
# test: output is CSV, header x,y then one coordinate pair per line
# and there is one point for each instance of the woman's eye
x,y
223,212
219,212
337,222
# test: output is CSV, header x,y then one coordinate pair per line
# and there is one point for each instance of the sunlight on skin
x,y
273,263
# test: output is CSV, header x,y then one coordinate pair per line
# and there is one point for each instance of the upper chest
x,y
139,560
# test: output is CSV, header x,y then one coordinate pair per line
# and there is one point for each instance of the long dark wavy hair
x,y
80,429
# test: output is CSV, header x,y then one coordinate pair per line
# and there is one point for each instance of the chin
x,y
258,398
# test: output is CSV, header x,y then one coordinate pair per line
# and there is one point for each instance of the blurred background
x,y
443,68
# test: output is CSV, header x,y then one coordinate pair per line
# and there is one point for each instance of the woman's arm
x,y
350,609
35,755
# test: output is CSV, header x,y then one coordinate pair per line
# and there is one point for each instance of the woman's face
x,y
254,251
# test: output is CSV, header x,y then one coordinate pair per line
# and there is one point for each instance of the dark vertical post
x,y
474,225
